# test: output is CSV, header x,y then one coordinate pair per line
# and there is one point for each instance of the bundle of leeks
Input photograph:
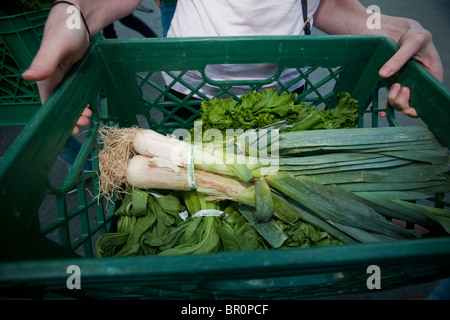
x,y
344,182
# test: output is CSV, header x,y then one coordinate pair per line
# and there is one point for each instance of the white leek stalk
x,y
156,173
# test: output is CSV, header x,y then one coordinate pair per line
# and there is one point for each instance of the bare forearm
x,y
339,17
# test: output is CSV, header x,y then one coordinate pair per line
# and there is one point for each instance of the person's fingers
x,y
401,100
47,68
410,112
383,114
398,98
83,120
75,130
415,44
37,71
87,112
43,65
407,49
393,92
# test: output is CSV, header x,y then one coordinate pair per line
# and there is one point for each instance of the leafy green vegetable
x,y
205,229
109,244
200,236
263,201
259,109
343,115
304,235
237,233
331,186
140,214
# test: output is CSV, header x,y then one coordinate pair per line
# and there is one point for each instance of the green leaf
x,y
441,216
334,204
139,199
270,231
228,237
132,247
260,109
263,201
109,244
126,207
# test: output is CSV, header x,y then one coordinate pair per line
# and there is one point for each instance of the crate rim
x,y
209,266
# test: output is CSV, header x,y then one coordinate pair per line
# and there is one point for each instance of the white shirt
x,y
222,18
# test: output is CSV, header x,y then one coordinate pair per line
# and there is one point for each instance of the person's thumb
x,y
43,65
45,71
397,61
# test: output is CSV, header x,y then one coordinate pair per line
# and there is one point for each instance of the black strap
x,y
306,19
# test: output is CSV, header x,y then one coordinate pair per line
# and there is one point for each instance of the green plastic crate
x,y
45,228
20,38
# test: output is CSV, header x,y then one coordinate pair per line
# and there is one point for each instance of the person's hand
x,y
83,120
350,17
158,3
416,43
61,47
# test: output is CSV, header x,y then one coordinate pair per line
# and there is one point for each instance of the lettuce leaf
x,y
259,109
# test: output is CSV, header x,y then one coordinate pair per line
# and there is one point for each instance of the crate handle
x,y
272,71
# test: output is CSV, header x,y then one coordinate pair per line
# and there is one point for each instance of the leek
x,y
343,182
